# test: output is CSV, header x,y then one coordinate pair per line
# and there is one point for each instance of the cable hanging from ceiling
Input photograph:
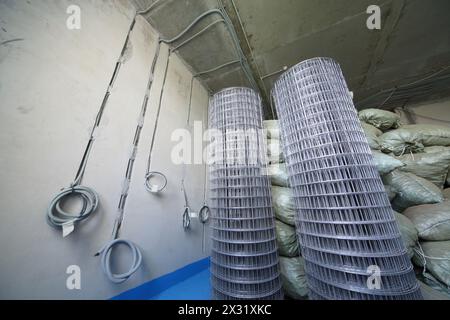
x,y
106,251
57,216
203,213
242,60
434,82
187,208
151,175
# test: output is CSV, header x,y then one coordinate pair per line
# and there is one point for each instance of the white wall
x,y
433,112
51,85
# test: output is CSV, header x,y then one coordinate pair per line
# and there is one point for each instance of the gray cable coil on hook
x,y
56,216
106,251
156,188
204,214
187,209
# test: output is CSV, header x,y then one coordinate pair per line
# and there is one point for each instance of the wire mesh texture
x,y
244,258
348,234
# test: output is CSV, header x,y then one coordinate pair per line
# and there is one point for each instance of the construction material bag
x,y
411,190
446,193
381,119
431,220
272,128
435,256
430,293
431,166
435,149
385,163
372,135
274,152
286,240
414,137
278,175
293,277
439,149
432,134
390,191
283,204
408,231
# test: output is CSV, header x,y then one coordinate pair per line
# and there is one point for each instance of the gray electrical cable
x,y
192,24
106,251
149,8
222,13
197,34
205,211
56,216
402,87
187,209
136,260
226,64
151,187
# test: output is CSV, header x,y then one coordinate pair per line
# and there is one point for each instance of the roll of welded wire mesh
x,y
349,238
244,259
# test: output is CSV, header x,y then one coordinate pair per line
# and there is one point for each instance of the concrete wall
x,y
433,112
52,82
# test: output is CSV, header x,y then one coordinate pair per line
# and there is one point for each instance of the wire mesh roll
x,y
344,221
244,258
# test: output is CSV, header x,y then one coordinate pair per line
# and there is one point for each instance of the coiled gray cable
x,y
153,188
56,216
106,252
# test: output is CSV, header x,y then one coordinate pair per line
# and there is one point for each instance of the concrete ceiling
x,y
413,43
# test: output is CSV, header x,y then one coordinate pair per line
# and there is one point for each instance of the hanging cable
x,y
187,209
197,34
106,251
405,87
205,211
145,11
56,216
156,175
229,25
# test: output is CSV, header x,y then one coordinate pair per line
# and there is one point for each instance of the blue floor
x,y
191,282
196,287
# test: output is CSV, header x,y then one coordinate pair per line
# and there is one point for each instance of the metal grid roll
x,y
344,220
244,258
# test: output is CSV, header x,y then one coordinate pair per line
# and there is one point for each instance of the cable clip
x,y
186,218
204,214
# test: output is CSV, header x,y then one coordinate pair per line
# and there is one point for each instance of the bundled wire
x,y
150,176
106,251
187,209
56,215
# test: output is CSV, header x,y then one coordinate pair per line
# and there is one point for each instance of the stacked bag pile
x,y
414,163
291,263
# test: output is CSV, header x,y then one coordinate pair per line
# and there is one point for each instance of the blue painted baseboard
x,y
156,286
